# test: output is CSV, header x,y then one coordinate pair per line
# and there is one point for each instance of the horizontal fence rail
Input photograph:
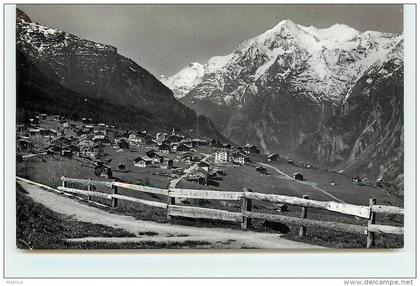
x,y
87,182
111,196
83,192
386,229
141,201
196,212
387,209
308,222
349,209
143,189
247,214
206,195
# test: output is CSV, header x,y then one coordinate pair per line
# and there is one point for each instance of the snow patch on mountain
x,y
335,33
185,79
216,63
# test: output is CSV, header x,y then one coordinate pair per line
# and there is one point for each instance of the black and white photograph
x,y
169,126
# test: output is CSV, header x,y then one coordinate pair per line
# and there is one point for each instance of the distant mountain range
x,y
333,96
59,72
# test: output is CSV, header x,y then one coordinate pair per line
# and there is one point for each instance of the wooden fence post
x,y
171,201
246,205
89,189
303,214
114,201
63,183
197,220
370,242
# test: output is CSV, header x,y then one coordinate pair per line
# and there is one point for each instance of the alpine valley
x,y
332,96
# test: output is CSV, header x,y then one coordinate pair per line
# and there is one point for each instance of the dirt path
x,y
297,181
217,237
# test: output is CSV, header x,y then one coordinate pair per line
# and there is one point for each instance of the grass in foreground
x,y
335,239
37,227
138,245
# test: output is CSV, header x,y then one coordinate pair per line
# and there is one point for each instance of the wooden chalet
x,y
101,126
155,156
164,148
61,141
183,148
298,176
356,180
198,142
203,165
238,158
143,162
273,157
101,139
187,158
67,153
261,170
102,170
123,143
97,151
250,149
134,139
73,149
53,149
167,163
198,176
86,151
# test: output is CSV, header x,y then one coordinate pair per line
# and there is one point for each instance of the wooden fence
x,y
247,212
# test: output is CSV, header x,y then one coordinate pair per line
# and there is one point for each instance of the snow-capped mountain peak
x,y
285,24
324,61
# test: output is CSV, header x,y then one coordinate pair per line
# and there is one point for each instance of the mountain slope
x,y
366,137
38,93
284,89
99,73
